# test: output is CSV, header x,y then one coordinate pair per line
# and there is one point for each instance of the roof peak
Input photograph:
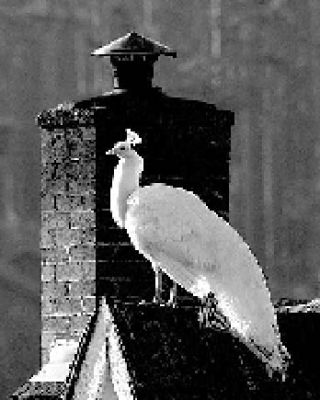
x,y
133,44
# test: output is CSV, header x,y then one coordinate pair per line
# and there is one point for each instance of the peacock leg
x,y
158,284
210,316
173,294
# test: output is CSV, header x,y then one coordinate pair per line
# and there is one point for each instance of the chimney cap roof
x,y
133,44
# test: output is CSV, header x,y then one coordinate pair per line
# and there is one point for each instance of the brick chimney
x,y
84,254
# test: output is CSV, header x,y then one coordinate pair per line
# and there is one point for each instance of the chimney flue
x,y
132,57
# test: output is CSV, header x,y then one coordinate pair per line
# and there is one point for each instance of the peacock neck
x,y
125,182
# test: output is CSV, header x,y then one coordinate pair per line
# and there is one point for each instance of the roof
x,y
133,43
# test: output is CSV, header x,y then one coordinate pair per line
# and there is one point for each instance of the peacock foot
x,y
157,299
173,299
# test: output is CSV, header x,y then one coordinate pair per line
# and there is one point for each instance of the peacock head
x,y
124,149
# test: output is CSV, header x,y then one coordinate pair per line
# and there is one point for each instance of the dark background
x,y
259,59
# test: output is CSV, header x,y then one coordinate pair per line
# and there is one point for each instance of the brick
x,y
89,146
79,322
56,323
88,172
73,171
48,238
45,142
83,236
55,289
88,270
48,289
47,201
89,304
79,185
60,238
51,180
55,219
72,132
48,272
83,219
69,305
79,201
75,148
83,288
61,202
47,338
89,135
88,201
58,171
70,271
75,235
57,136
48,305
54,256
59,152
63,238
76,167
82,253
45,354
63,324
75,335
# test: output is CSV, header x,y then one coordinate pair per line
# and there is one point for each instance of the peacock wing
x,y
200,251
163,225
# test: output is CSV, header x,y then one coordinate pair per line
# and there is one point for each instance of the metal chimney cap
x,y
133,44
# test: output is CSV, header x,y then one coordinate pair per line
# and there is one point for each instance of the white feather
x,y
133,137
200,251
